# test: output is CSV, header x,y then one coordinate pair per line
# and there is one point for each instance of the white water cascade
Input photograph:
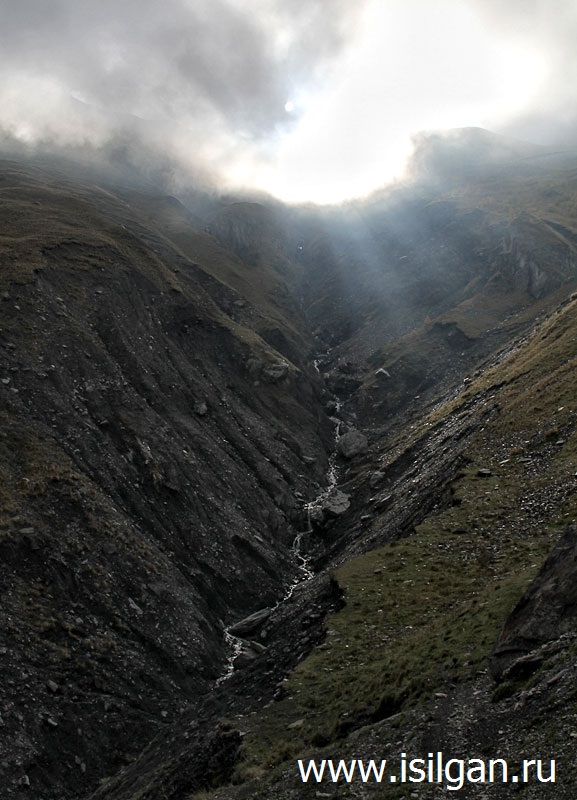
x,y
235,646
305,573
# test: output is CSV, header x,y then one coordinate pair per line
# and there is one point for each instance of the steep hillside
x,y
405,664
435,276
152,454
174,376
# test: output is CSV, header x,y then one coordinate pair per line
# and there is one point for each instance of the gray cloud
x,y
198,87
550,27
210,76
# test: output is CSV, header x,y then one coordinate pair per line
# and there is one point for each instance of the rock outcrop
x,y
351,444
546,612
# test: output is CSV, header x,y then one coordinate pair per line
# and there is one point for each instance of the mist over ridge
x,y
315,100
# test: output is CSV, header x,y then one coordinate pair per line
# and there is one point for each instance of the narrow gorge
x,y
281,481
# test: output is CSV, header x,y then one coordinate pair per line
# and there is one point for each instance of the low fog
x,y
306,99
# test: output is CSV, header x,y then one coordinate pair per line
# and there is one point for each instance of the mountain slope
x,y
407,659
170,374
152,447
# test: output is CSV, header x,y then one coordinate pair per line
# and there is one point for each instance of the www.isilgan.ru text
x,y
452,773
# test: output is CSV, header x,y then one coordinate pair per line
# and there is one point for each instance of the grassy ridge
x,y
425,612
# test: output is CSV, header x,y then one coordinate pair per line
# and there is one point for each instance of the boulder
x,y
336,503
250,624
276,372
329,507
352,444
200,408
547,610
376,478
248,653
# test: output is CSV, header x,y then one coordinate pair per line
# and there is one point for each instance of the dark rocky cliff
x,y
152,457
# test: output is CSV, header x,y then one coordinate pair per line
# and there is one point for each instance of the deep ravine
x,y
239,646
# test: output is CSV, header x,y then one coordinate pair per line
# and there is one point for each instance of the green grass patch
x,y
426,611
419,614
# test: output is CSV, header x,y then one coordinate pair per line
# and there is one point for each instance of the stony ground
x,y
169,385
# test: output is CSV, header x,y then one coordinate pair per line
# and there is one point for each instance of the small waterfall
x,y
332,474
305,573
301,559
235,646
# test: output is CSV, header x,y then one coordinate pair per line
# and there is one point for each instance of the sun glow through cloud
x,y
406,73
306,99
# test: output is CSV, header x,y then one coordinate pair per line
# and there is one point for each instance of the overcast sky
x,y
308,99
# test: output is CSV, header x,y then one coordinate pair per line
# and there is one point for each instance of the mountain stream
x,y
304,571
